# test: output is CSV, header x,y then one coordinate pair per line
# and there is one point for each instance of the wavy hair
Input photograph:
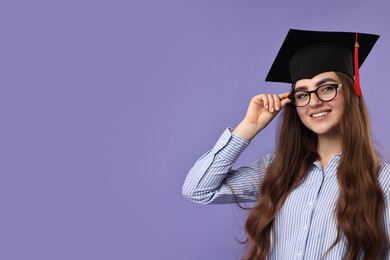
x,y
360,205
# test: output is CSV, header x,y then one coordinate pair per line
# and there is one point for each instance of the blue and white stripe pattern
x,y
305,226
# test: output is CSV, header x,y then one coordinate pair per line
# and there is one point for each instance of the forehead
x,y
318,80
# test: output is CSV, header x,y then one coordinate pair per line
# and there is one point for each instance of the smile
x,y
321,114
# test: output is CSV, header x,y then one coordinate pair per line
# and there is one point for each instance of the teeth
x,y
320,114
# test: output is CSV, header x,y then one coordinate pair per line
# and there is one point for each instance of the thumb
x,y
284,99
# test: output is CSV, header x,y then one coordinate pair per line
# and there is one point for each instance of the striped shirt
x,y
305,225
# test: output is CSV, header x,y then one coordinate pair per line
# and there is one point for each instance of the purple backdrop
x,y
105,105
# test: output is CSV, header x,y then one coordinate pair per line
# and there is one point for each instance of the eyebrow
x,y
319,83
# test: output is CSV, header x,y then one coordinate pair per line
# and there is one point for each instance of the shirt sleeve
x,y
212,179
387,219
384,178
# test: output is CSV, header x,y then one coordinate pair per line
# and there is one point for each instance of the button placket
x,y
307,217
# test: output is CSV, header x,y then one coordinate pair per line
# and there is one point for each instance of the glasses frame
x,y
335,85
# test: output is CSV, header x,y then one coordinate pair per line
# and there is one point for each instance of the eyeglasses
x,y
324,93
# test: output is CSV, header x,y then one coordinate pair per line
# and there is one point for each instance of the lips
x,y
320,114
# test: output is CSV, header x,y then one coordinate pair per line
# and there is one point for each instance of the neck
x,y
328,147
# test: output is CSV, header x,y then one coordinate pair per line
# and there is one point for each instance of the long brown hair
x,y
360,206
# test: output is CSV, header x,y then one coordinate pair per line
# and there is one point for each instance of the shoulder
x,y
384,176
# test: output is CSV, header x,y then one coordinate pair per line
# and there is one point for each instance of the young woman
x,y
324,192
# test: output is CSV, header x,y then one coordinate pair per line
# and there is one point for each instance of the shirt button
x,y
299,253
305,226
310,203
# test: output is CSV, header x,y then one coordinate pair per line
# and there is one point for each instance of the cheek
x,y
341,112
302,114
301,111
340,106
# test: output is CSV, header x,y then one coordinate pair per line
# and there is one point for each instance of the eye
x,y
327,88
301,95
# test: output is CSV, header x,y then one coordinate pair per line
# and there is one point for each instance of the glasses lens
x,y
326,92
301,98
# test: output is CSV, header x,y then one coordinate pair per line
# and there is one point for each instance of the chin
x,y
325,131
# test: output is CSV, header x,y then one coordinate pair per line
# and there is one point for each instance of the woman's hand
x,y
262,109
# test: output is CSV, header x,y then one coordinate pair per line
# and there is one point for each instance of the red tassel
x,y
356,67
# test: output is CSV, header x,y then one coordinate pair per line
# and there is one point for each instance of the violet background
x,y
105,106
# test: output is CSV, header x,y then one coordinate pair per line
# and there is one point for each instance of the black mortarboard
x,y
305,54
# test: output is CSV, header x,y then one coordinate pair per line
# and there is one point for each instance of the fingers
x,y
284,95
274,102
262,109
284,99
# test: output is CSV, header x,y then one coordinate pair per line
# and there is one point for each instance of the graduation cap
x,y
305,54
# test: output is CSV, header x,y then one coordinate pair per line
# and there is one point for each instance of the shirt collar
x,y
332,164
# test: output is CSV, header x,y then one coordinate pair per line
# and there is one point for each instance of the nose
x,y
314,100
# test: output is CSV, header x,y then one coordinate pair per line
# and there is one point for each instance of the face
x,y
323,118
